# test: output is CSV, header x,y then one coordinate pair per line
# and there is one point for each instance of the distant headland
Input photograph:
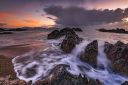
x,y
117,30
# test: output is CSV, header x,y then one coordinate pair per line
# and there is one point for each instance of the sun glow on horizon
x,y
125,19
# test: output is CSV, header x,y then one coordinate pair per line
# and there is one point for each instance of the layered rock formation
x,y
118,55
70,41
91,53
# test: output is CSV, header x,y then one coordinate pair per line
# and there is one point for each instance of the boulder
x,y
70,41
60,76
53,35
118,55
90,54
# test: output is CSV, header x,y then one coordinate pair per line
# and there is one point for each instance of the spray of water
x,y
35,66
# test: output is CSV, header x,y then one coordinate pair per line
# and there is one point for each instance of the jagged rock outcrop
x,y
118,55
60,76
57,34
53,35
70,41
90,53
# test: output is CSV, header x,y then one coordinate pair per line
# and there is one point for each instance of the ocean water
x,y
38,36
45,59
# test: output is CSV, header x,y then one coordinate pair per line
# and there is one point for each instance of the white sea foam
x,y
44,61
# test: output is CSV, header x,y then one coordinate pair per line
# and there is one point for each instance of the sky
x,y
48,13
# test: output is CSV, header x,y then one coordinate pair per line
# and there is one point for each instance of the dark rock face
x,y
70,41
90,53
59,76
64,31
125,83
118,55
53,35
77,29
57,34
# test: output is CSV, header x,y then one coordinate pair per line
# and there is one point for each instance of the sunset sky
x,y
37,13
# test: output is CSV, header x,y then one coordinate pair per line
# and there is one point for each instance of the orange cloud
x,y
6,15
21,20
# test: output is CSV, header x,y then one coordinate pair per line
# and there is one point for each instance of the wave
x,y
36,66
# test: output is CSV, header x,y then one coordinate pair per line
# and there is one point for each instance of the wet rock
x,y
70,41
118,55
53,35
90,53
60,76
5,81
125,83
6,67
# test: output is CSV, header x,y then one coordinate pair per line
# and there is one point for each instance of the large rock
x,y
53,35
60,76
64,31
118,55
57,34
70,41
90,54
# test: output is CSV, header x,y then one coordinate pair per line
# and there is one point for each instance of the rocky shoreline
x,y
117,53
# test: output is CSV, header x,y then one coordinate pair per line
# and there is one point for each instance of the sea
x,y
31,50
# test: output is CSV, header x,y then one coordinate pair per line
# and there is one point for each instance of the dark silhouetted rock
x,y
117,30
17,29
64,31
90,53
77,29
118,54
125,83
1,29
60,76
70,41
1,33
53,35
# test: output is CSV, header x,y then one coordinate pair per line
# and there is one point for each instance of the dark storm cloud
x,y
2,24
77,16
13,4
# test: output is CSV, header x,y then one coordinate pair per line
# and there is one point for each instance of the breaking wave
x,y
35,66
